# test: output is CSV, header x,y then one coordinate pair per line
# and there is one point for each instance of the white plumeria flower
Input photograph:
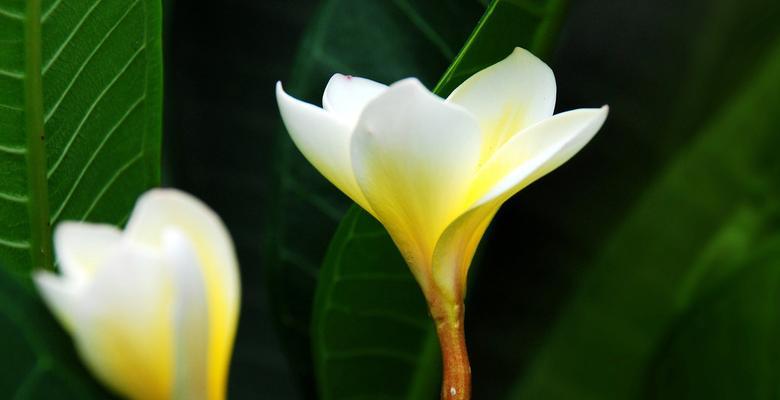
x,y
435,171
152,309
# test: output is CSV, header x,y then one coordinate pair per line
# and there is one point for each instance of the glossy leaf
x,y
80,98
80,103
371,331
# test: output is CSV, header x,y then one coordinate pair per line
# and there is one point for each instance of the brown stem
x,y
456,379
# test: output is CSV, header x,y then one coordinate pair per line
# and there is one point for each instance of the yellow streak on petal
x,y
496,132
221,324
455,250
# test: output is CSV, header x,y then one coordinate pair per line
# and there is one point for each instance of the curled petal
x,y
526,157
534,152
508,96
346,96
323,139
414,156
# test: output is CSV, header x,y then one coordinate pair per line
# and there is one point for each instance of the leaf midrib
x,y
38,207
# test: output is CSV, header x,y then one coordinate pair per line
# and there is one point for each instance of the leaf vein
x,y
13,149
87,60
110,182
16,244
10,107
91,109
11,14
12,74
94,155
70,37
385,314
15,198
51,9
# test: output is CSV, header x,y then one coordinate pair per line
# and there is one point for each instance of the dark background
x,y
666,68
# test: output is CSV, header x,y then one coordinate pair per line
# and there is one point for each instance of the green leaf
x,y
39,362
731,336
80,99
80,102
371,332
689,232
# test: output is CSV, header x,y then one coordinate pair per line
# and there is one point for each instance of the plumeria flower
x,y
435,171
152,309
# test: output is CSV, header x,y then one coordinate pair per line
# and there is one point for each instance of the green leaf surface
x,y
39,361
80,102
727,346
691,230
371,332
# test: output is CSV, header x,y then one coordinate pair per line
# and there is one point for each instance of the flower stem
x,y
456,379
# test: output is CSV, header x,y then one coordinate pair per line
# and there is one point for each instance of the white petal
x,y
346,96
81,247
62,296
534,152
190,318
414,156
123,325
324,141
160,209
506,97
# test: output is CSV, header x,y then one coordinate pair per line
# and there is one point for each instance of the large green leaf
x,y
688,233
728,345
371,331
80,98
80,102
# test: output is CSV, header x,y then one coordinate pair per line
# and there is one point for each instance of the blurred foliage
x,y
688,226
726,345
221,124
39,361
80,132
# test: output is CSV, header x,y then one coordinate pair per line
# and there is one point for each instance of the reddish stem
x,y
456,379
